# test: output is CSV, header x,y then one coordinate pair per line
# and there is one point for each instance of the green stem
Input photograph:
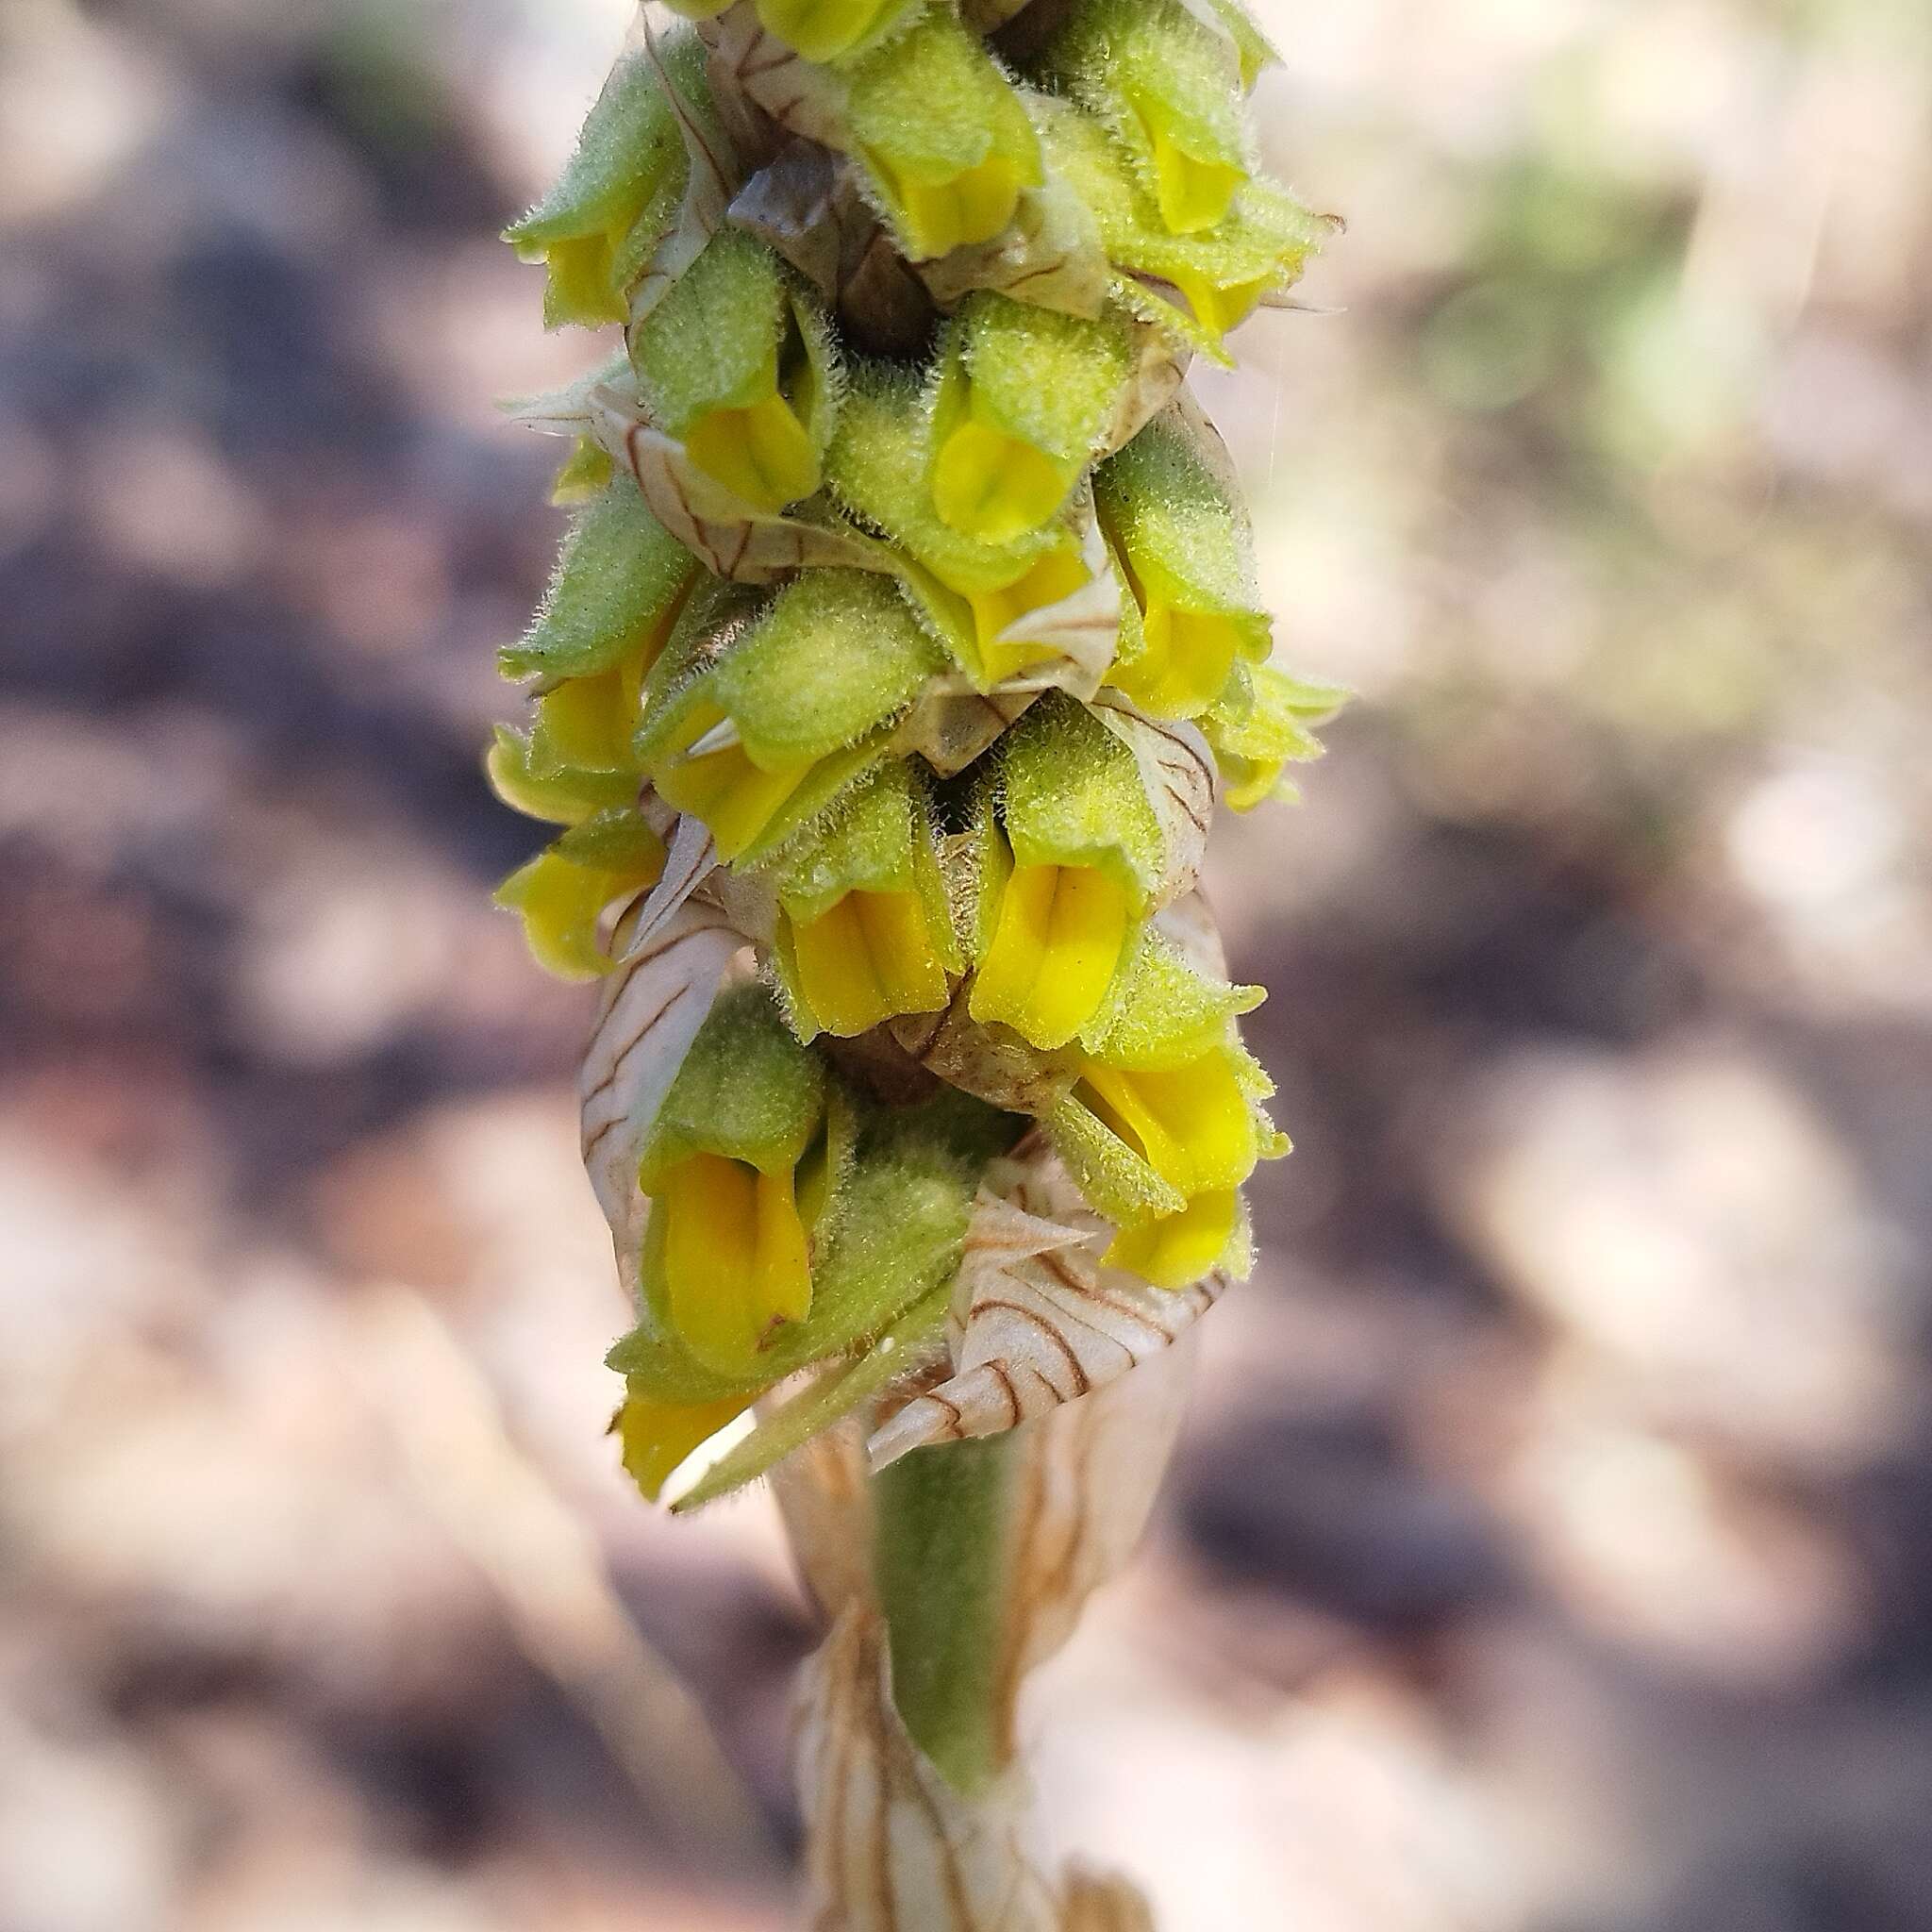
x,y
940,1564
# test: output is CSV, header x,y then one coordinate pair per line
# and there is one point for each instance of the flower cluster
x,y
903,638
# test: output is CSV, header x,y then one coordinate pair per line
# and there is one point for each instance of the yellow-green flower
x,y
1181,541
727,1251
974,590
1066,875
1021,397
1264,722
1164,1119
654,1436
1220,272
563,893
757,727
735,365
596,230
864,931
826,29
943,136
1169,86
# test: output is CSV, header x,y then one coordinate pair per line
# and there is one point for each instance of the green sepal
x,y
746,1090
1253,50
917,1337
562,798
1265,721
1169,88
1072,795
838,653
1180,530
1020,399
879,840
583,475
734,329
615,193
944,138
1113,1178
899,1232
1160,1012
619,581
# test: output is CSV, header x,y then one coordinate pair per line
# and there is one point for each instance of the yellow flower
x,y
736,1169
1194,1125
1056,944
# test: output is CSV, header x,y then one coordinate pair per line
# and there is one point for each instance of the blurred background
x,y
1551,1547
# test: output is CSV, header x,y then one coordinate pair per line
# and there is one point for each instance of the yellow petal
x,y
734,1256
1055,949
1184,662
995,486
1178,1248
1057,575
867,960
1218,307
733,797
955,211
1192,1124
760,453
1192,193
580,287
561,903
655,1436
819,29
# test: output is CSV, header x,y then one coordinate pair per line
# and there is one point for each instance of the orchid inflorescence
x,y
904,635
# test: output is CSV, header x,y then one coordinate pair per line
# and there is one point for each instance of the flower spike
x,y
903,638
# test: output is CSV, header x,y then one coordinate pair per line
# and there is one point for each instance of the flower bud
x,y
735,365
1265,721
596,227
757,733
563,892
865,931
1169,86
1182,542
942,135
1065,888
1020,400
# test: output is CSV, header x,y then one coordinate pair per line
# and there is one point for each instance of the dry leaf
x,y
1178,773
802,98
648,1013
1161,367
804,205
1103,1902
1050,254
707,190
1042,1320
889,1845
997,1067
